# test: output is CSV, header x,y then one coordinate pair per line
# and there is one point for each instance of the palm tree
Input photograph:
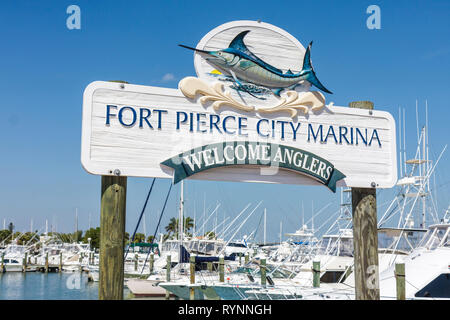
x,y
172,227
188,223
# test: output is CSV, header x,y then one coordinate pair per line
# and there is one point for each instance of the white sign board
x,y
136,128
250,116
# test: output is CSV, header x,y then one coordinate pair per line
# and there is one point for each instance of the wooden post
x,y
169,264
246,258
316,274
112,231
24,265
262,267
400,280
240,258
152,262
192,276
365,235
46,262
60,262
136,261
221,269
209,266
2,270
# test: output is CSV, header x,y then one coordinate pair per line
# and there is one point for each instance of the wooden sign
x,y
250,94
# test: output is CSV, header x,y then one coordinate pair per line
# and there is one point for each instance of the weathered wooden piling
x,y
2,269
400,280
365,234
24,264
152,262
240,258
46,262
316,274
136,261
169,264
112,231
262,267
192,276
221,269
209,266
246,258
60,262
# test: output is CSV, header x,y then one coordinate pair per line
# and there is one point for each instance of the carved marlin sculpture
x,y
240,63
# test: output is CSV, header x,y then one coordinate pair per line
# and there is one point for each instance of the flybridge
x,y
198,122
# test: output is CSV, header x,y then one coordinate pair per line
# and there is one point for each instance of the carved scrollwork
x,y
292,103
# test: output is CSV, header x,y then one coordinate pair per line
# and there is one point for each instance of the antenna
x,y
195,217
204,212
265,217
303,215
281,230
404,141
400,140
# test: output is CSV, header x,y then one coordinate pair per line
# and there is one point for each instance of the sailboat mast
x,y
181,220
145,228
76,224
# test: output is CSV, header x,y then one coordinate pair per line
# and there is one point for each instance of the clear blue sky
x,y
45,67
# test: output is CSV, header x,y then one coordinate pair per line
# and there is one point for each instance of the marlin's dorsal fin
x,y
238,44
307,65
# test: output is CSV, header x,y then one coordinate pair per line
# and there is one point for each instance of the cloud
x,y
168,77
437,53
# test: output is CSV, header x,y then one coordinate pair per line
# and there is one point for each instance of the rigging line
x,y
157,226
140,217
257,228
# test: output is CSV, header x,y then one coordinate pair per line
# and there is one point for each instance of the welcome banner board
x,y
247,153
134,130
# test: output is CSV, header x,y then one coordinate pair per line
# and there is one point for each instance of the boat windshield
x,y
399,239
336,246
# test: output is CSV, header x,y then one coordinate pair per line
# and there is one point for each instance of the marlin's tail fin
x,y
311,75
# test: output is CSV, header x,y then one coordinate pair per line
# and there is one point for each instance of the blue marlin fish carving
x,y
240,63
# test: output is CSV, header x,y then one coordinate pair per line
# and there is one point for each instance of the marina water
x,y
51,286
